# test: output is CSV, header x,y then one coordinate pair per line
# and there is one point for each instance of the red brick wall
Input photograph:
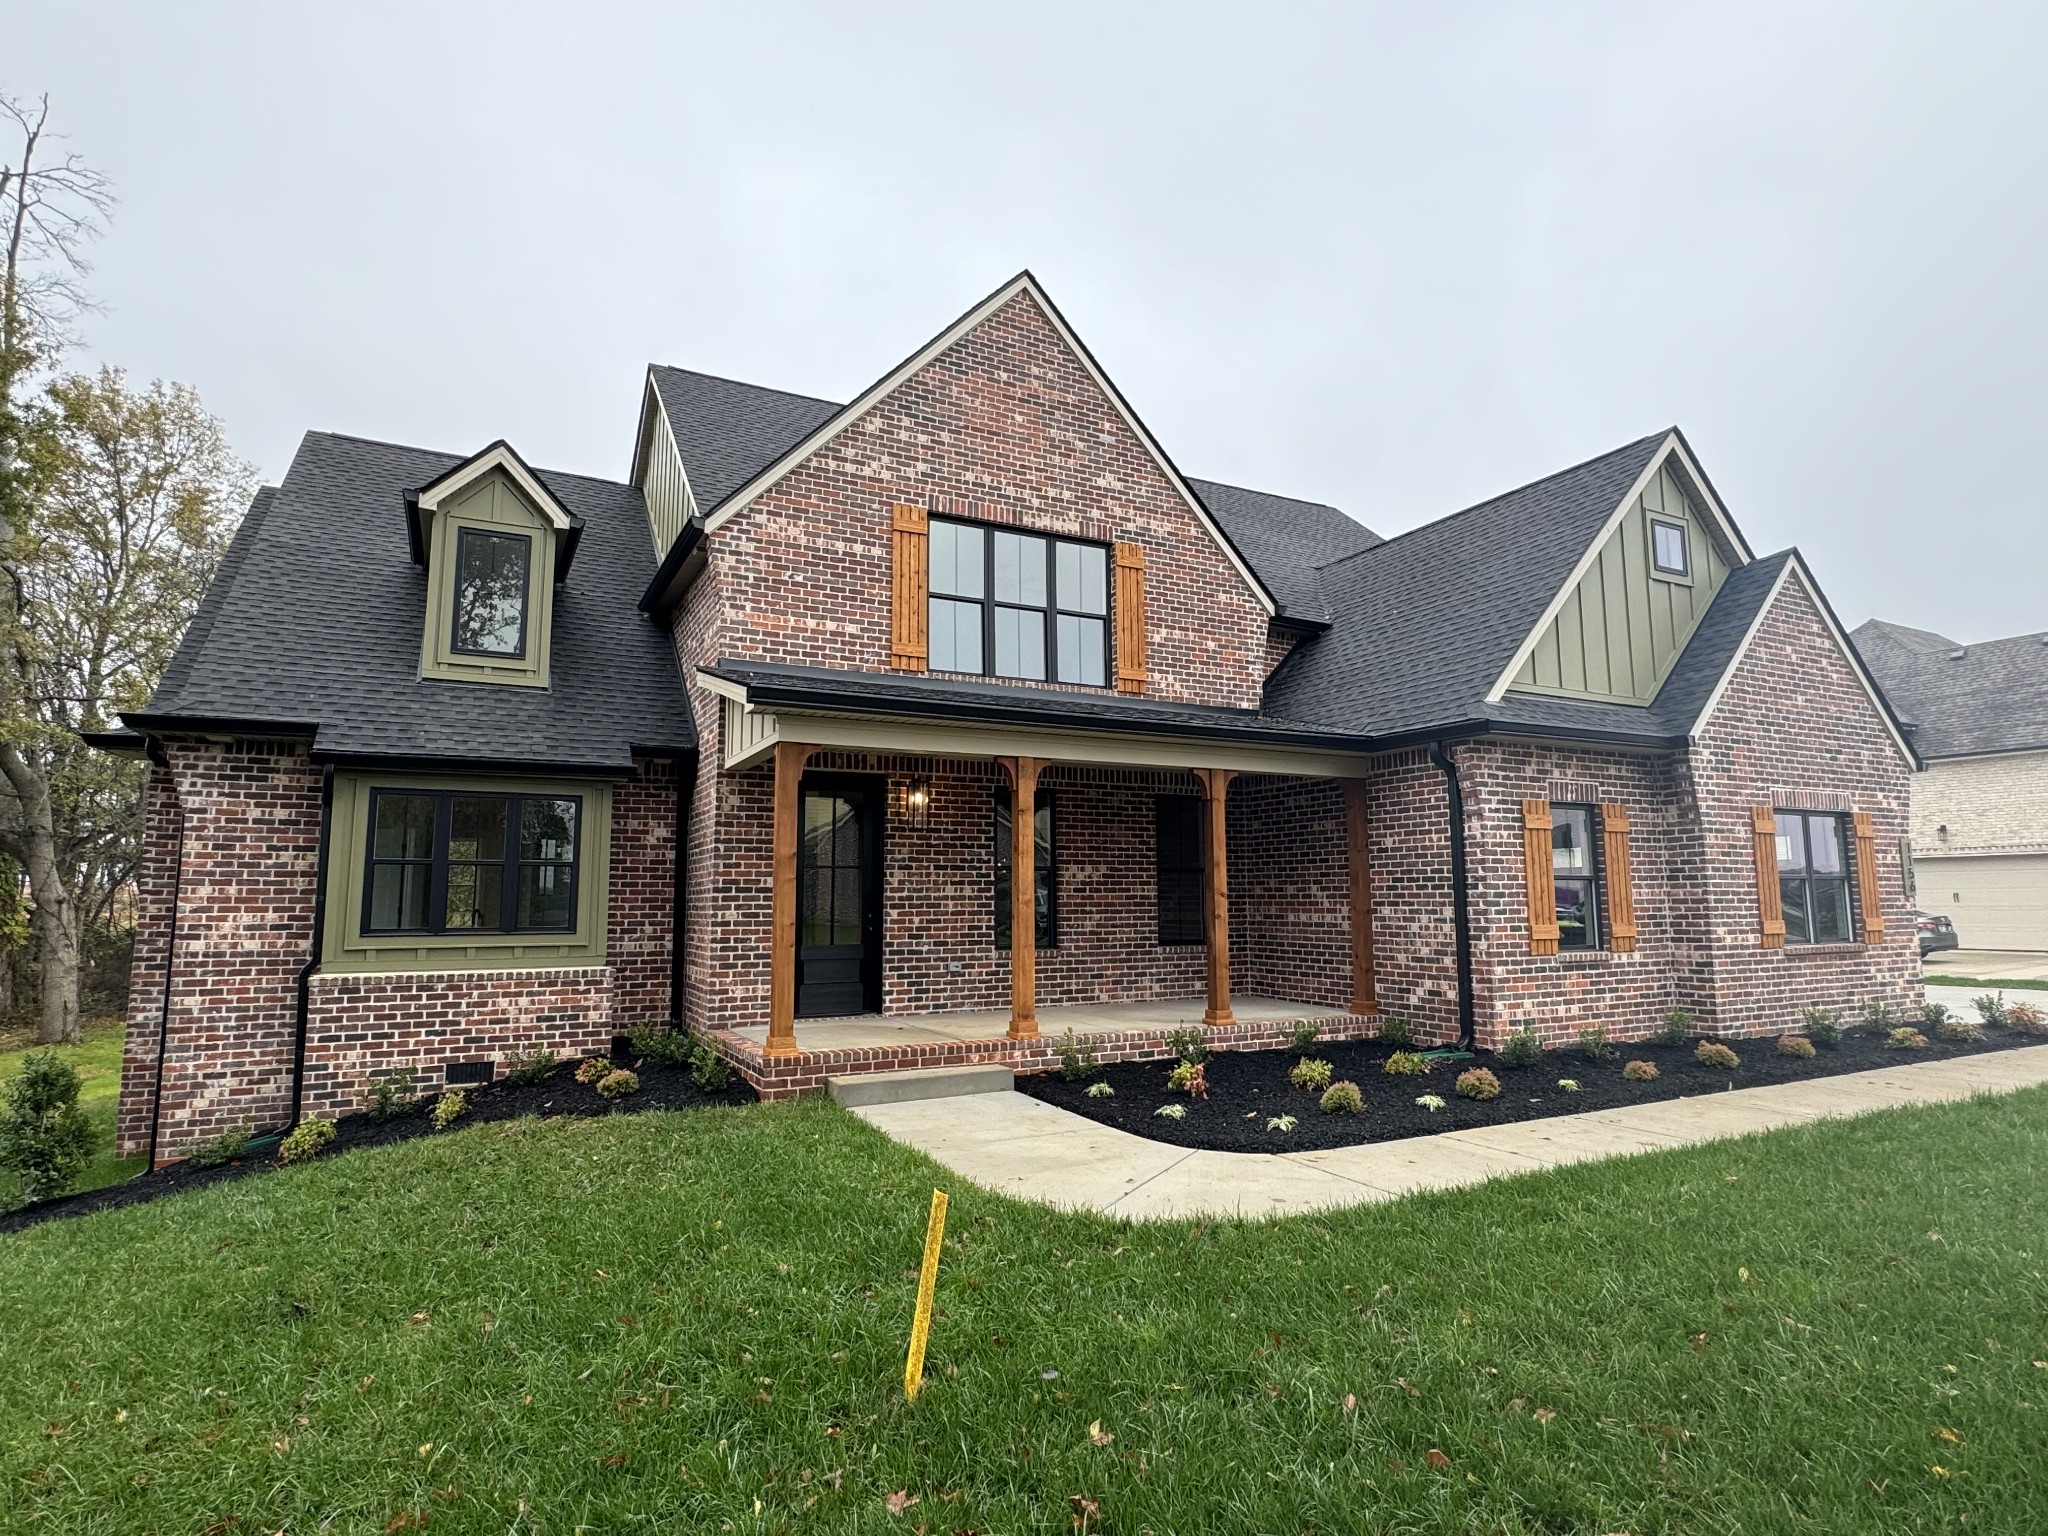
x,y
1290,890
643,894
1414,936
154,873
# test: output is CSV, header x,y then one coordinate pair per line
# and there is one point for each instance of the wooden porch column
x,y
1215,784
790,757
1358,842
1022,773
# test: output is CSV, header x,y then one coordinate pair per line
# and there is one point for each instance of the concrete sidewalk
x,y
1027,1148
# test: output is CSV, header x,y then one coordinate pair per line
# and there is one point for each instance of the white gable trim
x,y
499,457
894,379
1671,447
1796,567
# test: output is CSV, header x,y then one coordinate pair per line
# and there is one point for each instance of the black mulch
x,y
662,1086
1248,1088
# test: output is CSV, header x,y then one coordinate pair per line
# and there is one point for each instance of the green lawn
x,y
695,1322
98,1060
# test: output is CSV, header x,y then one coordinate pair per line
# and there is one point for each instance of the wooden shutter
x,y
1542,877
1867,894
1763,825
907,608
1621,890
1130,618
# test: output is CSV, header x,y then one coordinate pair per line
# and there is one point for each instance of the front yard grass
x,y
696,1322
97,1059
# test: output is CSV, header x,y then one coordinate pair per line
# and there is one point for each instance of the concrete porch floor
x,y
863,1030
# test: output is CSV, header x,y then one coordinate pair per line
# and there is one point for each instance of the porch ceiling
x,y
863,1030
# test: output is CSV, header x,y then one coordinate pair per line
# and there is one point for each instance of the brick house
x,y
1978,717
967,647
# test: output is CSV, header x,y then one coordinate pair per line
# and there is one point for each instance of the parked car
x,y
1936,933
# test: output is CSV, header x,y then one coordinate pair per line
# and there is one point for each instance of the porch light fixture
x,y
914,801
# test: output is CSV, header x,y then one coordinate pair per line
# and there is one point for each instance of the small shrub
x,y
1406,1064
1172,1111
1794,1045
2025,1018
1521,1047
1395,1030
1712,1053
1478,1083
1431,1102
711,1071
1640,1071
45,1138
616,1085
1078,1061
1904,1040
449,1108
1190,1078
657,1042
1992,1009
1592,1043
222,1149
594,1069
1932,1014
1960,1031
1823,1026
1568,1084
1676,1028
310,1139
1100,1091
1306,1033
392,1096
1188,1045
1877,1013
1311,1074
1282,1123
529,1067
1343,1099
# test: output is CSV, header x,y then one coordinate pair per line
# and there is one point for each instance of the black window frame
x,y
1049,613
455,645
1177,871
1798,917
438,862
1594,880
1684,547
1046,869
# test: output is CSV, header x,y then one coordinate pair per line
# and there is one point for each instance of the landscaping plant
x,y
1991,1008
1961,1031
1343,1099
1568,1084
712,1072
1933,1013
1188,1045
310,1139
392,1095
1306,1033
1794,1045
1311,1074
2026,1018
1675,1029
1521,1047
1395,1030
1712,1053
1640,1071
1823,1026
1877,1013
1282,1123
449,1108
1191,1078
619,1083
529,1067
1078,1061
1431,1101
1172,1111
45,1138
1100,1091
1592,1043
657,1042
220,1150
1478,1083
1905,1040
1406,1064
593,1070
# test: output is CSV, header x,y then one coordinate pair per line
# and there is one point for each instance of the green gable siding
x,y
1623,625
662,482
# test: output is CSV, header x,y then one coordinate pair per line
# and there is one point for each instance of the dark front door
x,y
838,907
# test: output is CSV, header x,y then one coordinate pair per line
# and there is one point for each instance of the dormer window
x,y
491,574
1668,552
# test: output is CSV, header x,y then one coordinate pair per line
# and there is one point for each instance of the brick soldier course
x,y
1298,699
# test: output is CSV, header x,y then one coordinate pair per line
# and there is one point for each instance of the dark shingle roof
x,y
1284,540
315,621
1961,700
1427,621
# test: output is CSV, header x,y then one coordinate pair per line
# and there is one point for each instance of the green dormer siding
x,y
1623,625
663,484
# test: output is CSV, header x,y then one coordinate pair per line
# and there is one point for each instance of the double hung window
x,y
1021,605
1575,873
1045,871
1178,825
1813,878
441,861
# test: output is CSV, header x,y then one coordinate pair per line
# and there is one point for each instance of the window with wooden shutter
x,y
1763,825
1621,890
1536,858
908,646
1130,618
1868,897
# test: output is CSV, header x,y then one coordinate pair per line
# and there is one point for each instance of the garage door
x,y
1995,903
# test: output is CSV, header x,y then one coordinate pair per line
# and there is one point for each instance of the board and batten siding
x,y
663,485
1623,625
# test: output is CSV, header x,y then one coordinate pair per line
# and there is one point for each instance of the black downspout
x,y
313,956
686,791
158,756
1461,894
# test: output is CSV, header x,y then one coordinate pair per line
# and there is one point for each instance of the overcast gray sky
x,y
1396,257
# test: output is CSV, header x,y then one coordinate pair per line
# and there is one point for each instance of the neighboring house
x,y
966,647
1978,716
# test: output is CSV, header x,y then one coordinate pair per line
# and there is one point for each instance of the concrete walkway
x,y
1027,1148
2009,964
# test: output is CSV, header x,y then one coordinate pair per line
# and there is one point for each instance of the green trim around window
x,y
493,505
348,949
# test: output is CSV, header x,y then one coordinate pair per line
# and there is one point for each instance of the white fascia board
x,y
502,459
891,381
721,688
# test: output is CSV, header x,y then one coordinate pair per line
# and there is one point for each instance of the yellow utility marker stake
x,y
921,1324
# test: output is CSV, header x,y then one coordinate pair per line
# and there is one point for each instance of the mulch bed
x,y
662,1086
1247,1088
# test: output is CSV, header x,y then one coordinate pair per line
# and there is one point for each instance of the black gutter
x,y
161,759
686,791
313,955
1461,894
654,601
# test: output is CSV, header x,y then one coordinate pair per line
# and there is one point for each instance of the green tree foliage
x,y
45,1138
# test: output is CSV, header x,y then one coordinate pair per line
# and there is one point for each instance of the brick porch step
x,y
919,1083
